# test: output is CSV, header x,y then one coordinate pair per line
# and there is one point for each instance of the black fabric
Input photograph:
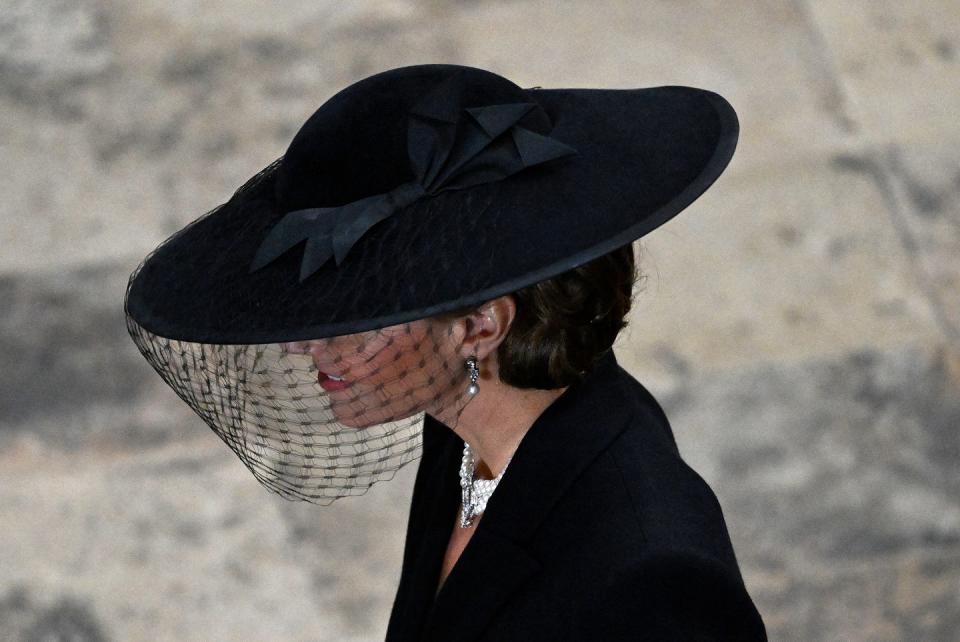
x,y
643,155
597,531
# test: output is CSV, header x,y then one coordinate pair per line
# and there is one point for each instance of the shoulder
x,y
670,503
678,594
680,564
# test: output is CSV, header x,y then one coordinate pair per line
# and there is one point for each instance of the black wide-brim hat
x,y
427,189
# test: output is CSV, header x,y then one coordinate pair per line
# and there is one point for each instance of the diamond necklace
x,y
474,492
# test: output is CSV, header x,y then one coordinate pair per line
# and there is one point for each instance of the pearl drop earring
x,y
474,372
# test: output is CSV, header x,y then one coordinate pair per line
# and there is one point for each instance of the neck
x,y
495,421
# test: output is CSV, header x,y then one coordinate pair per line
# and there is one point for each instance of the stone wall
x,y
800,322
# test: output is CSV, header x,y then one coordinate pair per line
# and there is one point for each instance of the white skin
x,y
493,422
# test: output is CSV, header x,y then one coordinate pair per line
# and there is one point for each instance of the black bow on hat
x,y
449,147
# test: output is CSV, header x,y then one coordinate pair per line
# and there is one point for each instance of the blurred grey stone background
x,y
800,323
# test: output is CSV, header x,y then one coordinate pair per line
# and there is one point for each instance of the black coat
x,y
597,531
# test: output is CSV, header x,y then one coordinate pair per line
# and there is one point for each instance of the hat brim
x,y
644,155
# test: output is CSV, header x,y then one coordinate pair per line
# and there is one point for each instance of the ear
x,y
487,326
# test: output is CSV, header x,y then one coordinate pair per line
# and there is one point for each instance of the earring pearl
x,y
474,372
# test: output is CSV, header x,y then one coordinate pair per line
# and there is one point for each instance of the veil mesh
x,y
303,435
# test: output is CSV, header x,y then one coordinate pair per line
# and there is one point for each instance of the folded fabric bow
x,y
444,153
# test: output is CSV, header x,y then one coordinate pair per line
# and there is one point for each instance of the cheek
x,y
396,357
362,357
401,361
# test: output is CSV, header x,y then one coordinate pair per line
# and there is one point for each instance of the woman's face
x,y
388,374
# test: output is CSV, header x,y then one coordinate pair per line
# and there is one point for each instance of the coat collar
x,y
559,445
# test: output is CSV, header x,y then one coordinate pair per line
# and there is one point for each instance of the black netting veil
x,y
301,432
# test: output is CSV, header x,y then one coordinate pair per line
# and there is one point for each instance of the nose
x,y
321,353
295,347
317,350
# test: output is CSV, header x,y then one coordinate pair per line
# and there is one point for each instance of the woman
x,y
439,265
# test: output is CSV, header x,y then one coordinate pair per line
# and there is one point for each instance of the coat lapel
x,y
496,562
422,564
488,572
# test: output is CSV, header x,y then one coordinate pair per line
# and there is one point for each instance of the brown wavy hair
x,y
565,324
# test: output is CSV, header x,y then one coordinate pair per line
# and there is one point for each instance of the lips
x,y
327,383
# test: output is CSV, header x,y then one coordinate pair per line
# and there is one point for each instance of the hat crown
x,y
356,144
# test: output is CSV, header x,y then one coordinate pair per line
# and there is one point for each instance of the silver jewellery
x,y
474,492
474,373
